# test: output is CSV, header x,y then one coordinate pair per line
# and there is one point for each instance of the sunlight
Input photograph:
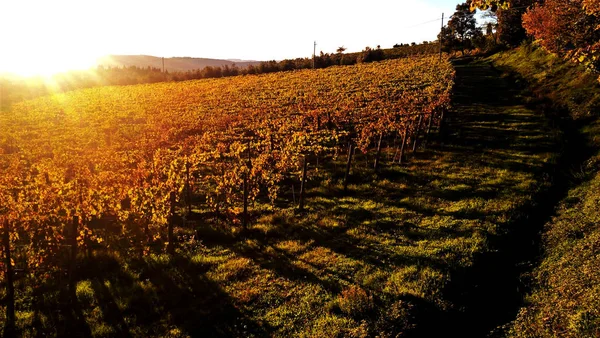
x,y
46,65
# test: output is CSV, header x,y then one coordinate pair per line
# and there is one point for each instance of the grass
x,y
388,258
549,77
565,297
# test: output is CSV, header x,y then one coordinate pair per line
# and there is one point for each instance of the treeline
x,y
15,89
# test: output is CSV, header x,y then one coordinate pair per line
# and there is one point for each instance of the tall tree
x,y
510,22
462,28
510,29
340,51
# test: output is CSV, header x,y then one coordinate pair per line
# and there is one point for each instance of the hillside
x,y
172,64
235,207
563,299
189,212
125,165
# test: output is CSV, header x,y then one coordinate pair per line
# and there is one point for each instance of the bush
x,y
354,301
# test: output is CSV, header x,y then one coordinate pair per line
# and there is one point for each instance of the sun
x,y
46,63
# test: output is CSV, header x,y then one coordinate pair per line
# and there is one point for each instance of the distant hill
x,y
174,64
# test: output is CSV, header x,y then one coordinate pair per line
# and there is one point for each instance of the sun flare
x,y
47,64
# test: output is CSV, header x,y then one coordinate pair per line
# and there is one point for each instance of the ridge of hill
x,y
172,64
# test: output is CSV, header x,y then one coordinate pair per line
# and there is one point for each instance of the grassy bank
x,y
565,300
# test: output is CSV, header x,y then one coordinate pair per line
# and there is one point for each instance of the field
x,y
184,197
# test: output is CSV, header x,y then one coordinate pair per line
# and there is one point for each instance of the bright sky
x,y
42,36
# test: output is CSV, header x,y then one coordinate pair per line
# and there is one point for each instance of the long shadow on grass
x,y
155,296
195,303
370,253
493,127
55,312
490,129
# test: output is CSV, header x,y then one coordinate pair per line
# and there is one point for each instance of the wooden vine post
x,y
441,122
378,153
348,164
188,187
72,241
170,239
246,188
218,196
302,184
9,326
245,215
417,133
87,242
404,137
429,127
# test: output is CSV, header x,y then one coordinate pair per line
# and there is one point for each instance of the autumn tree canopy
x,y
560,25
569,28
489,4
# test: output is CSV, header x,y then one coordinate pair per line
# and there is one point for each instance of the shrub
x,y
354,301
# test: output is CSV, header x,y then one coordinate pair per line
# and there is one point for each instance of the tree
x,y
340,51
561,25
568,28
463,22
509,30
449,41
462,28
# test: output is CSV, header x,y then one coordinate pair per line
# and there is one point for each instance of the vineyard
x,y
144,170
133,154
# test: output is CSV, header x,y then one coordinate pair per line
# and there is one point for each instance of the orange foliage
x,y
592,6
119,152
559,25
489,4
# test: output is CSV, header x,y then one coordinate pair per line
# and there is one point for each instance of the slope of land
x,y
565,299
418,249
494,127
172,64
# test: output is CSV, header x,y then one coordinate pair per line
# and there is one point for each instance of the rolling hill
x,y
174,64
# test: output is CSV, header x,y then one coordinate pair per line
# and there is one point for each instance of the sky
x,y
38,36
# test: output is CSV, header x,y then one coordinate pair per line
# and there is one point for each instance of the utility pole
x,y
163,63
314,54
441,35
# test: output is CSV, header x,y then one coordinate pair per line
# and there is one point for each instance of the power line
x,y
422,23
